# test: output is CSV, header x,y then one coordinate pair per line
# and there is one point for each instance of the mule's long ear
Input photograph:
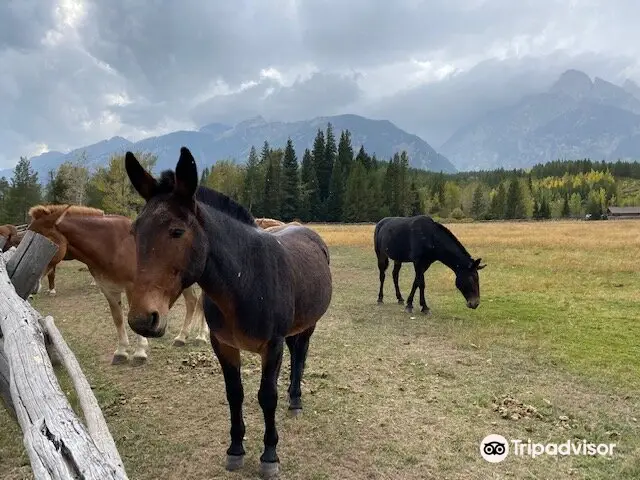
x,y
141,180
186,175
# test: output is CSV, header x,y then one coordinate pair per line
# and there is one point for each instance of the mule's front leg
x,y
229,359
268,399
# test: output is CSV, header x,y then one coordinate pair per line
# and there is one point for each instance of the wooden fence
x,y
59,445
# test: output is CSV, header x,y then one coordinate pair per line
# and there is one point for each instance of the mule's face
x,y
170,246
468,282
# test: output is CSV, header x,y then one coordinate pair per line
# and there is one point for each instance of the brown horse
x,y
10,232
262,289
265,223
105,245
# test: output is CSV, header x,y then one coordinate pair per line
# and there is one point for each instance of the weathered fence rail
x,y
59,445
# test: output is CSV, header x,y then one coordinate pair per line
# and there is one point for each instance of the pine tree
x,y
356,195
566,212
272,184
339,176
498,202
57,189
414,203
536,210
364,158
24,192
478,206
253,184
290,184
325,167
545,209
4,199
309,194
515,205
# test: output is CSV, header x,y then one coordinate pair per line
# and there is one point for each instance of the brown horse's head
x,y
171,249
468,282
44,219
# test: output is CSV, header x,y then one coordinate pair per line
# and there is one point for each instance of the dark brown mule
x,y
262,289
105,245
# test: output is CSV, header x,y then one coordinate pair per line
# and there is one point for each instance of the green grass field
x,y
552,354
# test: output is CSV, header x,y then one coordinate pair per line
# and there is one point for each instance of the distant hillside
x,y
217,141
575,118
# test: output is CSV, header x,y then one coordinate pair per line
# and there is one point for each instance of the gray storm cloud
x,y
73,72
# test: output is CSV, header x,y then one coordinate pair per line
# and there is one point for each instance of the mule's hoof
x,y
177,342
400,301
234,462
119,359
52,293
138,361
269,470
408,309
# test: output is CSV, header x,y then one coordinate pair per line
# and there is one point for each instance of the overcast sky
x,y
73,72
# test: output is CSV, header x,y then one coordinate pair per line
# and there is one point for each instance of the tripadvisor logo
x,y
495,448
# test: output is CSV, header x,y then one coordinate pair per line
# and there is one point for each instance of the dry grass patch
x,y
550,355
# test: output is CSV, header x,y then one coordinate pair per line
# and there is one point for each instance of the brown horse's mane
x,y
39,211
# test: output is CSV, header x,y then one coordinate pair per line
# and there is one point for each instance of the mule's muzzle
x,y
148,325
473,303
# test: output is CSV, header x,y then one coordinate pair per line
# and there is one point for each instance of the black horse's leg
x,y
416,282
383,264
396,278
229,359
298,347
268,399
423,301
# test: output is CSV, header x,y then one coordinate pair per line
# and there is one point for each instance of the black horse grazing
x,y
261,289
421,241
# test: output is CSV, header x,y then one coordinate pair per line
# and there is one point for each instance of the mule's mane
x,y
453,238
210,197
39,211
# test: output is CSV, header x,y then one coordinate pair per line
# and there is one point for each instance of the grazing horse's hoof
x,y
400,301
269,470
294,412
119,359
178,342
52,293
201,341
426,310
138,361
234,462
380,301
408,309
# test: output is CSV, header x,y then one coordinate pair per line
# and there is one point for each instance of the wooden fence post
x,y
58,444
25,270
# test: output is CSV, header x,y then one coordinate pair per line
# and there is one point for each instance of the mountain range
x,y
575,118
217,141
